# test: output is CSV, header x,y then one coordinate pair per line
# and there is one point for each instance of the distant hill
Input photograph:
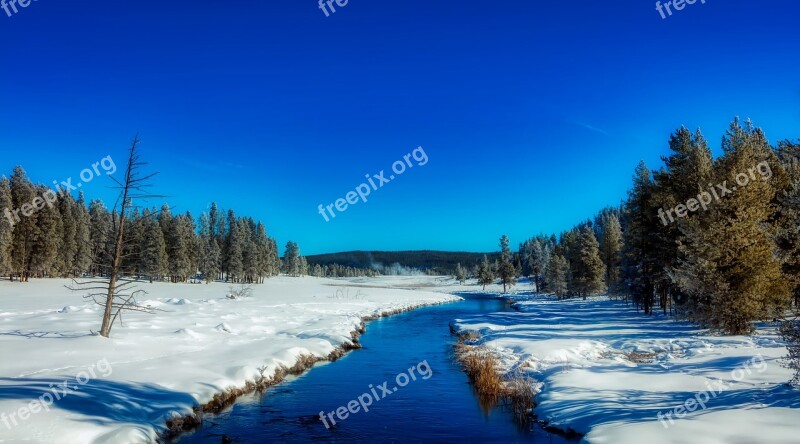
x,y
442,261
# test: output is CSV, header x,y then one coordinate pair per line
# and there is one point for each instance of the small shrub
x,y
240,292
641,357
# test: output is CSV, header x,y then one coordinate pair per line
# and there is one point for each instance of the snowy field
x,y
603,370
154,366
619,377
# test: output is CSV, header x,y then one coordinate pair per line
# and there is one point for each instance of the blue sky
x,y
533,114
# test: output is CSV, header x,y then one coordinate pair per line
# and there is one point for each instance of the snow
x,y
157,366
603,369
591,382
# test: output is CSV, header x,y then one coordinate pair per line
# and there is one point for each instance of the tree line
x,y
72,238
723,262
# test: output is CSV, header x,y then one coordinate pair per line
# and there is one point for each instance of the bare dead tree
x,y
124,298
118,294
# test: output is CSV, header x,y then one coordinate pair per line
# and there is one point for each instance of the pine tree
x,y
209,259
590,269
506,270
83,241
557,271
234,246
540,257
291,259
570,250
154,261
303,266
26,232
461,273
250,250
134,234
275,260
264,252
99,236
788,239
729,269
788,216
485,272
209,264
179,237
611,250
685,176
48,238
69,245
526,254
6,226
639,260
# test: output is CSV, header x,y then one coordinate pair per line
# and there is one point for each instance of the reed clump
x,y
493,386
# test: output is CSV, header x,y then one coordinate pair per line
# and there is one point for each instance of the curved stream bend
x,y
435,404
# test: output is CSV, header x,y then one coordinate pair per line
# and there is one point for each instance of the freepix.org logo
x,y
666,8
50,197
11,6
376,181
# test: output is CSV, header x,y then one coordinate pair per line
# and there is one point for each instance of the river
x,y
441,408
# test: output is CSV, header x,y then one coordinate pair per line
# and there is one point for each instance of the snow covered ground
x,y
604,370
124,388
618,376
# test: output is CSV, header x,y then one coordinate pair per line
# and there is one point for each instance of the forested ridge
x,y
443,261
724,264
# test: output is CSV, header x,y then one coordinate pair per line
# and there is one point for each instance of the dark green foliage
x,y
728,264
505,267
640,260
431,262
6,227
153,259
729,267
69,239
26,233
589,269
291,260
790,331
461,274
557,275
611,250
485,272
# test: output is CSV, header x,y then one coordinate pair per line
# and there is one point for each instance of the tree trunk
x,y
105,329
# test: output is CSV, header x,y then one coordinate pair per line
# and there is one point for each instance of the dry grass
x,y
482,369
470,336
520,393
641,357
632,356
515,390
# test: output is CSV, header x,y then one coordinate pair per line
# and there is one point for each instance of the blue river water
x,y
441,408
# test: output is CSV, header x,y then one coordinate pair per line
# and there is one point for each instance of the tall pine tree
x,y
505,269
730,269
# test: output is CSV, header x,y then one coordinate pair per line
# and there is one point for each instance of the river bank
x,y
202,349
614,375
440,405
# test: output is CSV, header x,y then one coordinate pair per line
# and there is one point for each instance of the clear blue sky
x,y
533,114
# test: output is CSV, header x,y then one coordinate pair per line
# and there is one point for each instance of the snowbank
x,y
619,377
59,383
